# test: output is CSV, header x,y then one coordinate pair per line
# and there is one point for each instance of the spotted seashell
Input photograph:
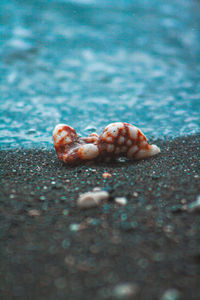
x,y
117,139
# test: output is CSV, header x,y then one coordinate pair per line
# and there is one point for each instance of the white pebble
x,y
121,200
92,199
171,294
34,213
74,227
125,290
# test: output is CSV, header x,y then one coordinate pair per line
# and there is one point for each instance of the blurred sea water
x,y
88,63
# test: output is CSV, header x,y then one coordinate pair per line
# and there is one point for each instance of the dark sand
x,y
152,242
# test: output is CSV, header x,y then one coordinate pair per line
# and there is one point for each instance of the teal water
x,y
89,63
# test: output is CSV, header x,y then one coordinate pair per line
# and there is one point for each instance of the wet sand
x,y
50,249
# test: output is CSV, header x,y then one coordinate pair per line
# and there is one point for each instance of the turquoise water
x,y
89,63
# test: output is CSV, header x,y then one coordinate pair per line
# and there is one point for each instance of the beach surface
x,y
146,249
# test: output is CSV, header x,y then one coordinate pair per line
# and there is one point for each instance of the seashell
x,y
117,139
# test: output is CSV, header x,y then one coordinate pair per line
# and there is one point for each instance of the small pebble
x,y
121,200
171,294
183,201
106,175
34,213
92,199
135,194
65,212
125,290
149,207
74,227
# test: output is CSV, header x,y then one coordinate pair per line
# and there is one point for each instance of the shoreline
x,y
151,243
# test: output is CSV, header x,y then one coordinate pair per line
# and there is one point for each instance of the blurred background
x,y
88,63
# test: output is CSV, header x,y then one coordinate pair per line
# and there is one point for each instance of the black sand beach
x,y
50,249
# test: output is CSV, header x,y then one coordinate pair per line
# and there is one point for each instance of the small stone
x,y
34,213
125,290
194,206
92,199
183,201
135,194
171,294
149,207
74,227
168,228
121,200
65,212
122,159
106,175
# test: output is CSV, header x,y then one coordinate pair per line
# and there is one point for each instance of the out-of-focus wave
x,y
88,63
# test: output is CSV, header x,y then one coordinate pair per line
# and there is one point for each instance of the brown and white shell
x,y
117,139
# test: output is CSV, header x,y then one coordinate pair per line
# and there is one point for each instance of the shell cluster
x,y
117,139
